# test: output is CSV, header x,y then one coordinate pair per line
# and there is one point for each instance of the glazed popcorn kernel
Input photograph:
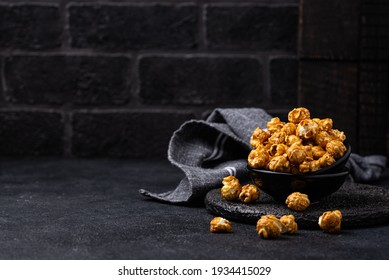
x,y
325,124
326,160
277,137
278,149
322,138
219,224
279,164
231,188
307,129
292,139
296,154
258,158
275,124
337,134
317,152
297,201
336,148
249,193
259,136
269,227
289,129
309,166
298,114
289,223
330,221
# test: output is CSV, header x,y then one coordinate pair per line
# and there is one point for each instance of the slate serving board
x,y
361,206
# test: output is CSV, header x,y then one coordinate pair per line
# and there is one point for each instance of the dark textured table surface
x,y
91,209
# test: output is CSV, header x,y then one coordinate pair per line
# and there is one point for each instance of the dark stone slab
x,y
361,206
92,209
30,27
200,80
59,79
124,27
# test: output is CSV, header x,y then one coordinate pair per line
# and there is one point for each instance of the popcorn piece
x,y
307,129
297,201
269,227
231,188
337,134
292,139
249,193
330,221
296,154
279,164
317,152
259,136
275,124
278,149
336,148
322,138
258,158
325,124
289,223
326,160
298,114
277,137
289,129
219,224
309,166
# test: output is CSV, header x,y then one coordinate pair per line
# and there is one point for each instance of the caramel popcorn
x,y
300,146
317,152
231,188
259,137
326,160
298,114
258,158
249,193
338,135
289,223
292,139
297,201
289,129
296,154
322,138
275,124
269,227
307,129
277,137
325,124
309,166
219,224
278,149
330,221
279,164
336,148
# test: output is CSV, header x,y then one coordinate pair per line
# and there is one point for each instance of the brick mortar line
x,y
194,52
66,38
135,99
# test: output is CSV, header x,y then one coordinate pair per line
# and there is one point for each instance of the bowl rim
x,y
305,176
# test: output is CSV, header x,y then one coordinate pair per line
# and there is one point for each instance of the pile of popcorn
x,y
299,146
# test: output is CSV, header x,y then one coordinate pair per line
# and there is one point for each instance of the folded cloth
x,y
207,151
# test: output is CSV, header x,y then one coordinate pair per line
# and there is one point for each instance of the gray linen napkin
x,y
207,151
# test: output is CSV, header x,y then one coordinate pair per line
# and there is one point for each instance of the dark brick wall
x,y
116,78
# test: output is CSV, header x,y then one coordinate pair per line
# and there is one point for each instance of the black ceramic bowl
x,y
316,186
